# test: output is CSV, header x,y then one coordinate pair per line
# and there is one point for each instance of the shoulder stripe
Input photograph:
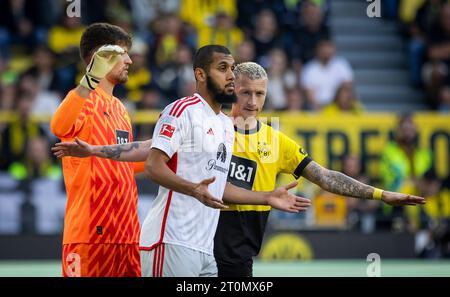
x,y
186,105
178,107
177,104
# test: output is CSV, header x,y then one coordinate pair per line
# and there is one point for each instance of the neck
x,y
106,86
242,122
216,106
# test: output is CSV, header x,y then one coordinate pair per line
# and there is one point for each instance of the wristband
x,y
377,193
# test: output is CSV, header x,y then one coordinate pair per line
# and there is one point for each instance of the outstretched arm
x,y
129,152
341,184
336,182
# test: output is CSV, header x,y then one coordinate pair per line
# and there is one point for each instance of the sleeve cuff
x,y
167,150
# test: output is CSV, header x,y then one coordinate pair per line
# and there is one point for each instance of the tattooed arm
x,y
341,184
129,152
336,182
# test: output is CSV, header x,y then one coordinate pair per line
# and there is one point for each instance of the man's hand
x,y
77,148
398,199
201,193
102,62
281,199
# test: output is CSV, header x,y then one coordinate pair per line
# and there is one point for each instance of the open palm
x,y
397,199
281,199
77,148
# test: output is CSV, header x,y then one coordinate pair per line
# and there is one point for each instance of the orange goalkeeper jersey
x,y
101,193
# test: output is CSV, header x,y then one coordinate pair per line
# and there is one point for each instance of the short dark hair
x,y
99,34
204,55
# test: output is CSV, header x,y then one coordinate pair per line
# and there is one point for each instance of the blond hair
x,y
251,70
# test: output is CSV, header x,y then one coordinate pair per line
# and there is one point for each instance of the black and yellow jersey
x,y
259,155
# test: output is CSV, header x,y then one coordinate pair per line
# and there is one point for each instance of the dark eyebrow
x,y
222,62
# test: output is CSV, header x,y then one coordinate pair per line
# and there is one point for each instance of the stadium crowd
x,y
292,40
426,27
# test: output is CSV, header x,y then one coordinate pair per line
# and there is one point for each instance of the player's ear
x,y
200,74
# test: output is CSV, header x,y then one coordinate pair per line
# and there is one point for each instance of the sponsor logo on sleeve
x,y
167,131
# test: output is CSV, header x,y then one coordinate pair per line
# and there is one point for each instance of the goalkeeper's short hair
x,y
99,34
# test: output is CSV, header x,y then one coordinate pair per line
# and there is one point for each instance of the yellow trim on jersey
x,y
273,152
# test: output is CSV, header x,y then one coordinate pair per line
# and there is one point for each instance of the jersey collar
x,y
208,107
103,94
251,131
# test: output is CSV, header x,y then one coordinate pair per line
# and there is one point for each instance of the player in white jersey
x,y
199,144
189,158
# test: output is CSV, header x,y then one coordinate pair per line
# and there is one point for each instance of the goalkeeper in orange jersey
x,y
101,226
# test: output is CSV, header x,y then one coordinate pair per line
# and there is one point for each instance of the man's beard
x,y
119,79
122,79
218,94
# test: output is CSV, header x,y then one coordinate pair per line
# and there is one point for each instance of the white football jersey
x,y
199,143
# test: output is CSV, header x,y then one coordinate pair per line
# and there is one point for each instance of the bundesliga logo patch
x,y
167,131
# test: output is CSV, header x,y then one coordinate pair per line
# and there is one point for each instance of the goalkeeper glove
x,y
102,62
